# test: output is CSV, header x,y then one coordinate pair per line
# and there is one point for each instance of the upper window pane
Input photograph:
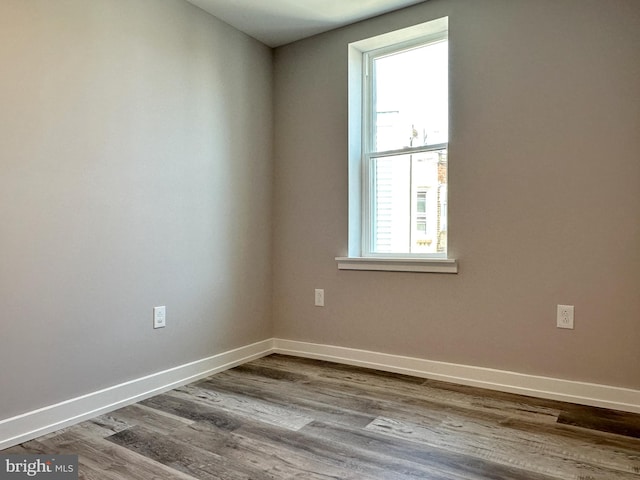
x,y
410,101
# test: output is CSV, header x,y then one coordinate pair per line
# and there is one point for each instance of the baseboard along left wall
x,y
30,425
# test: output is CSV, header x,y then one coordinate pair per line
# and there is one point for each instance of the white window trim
x,y
398,264
355,259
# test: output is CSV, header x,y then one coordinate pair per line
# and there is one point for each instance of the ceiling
x,y
277,22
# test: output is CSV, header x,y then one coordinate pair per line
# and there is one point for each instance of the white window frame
x,y
361,54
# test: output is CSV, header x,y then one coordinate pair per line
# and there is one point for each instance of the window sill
x,y
385,264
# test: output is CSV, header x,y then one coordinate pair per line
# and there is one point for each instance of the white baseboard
x,y
543,387
45,420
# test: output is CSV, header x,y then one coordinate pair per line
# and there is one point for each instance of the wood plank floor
x,y
282,417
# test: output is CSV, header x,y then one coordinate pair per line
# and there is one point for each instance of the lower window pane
x,y
410,202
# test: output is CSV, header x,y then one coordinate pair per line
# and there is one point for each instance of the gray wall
x,y
544,194
135,170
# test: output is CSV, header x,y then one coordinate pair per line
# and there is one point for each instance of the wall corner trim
x,y
591,394
29,425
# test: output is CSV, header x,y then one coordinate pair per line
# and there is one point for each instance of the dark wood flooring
x,y
281,417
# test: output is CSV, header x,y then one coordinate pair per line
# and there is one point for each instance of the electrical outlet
x,y
319,297
159,317
565,316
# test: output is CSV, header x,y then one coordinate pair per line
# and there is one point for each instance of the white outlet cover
x,y
564,317
319,300
159,317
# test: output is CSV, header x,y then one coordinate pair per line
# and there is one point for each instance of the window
x,y
404,154
398,137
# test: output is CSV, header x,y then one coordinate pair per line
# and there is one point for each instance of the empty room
x,y
320,239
